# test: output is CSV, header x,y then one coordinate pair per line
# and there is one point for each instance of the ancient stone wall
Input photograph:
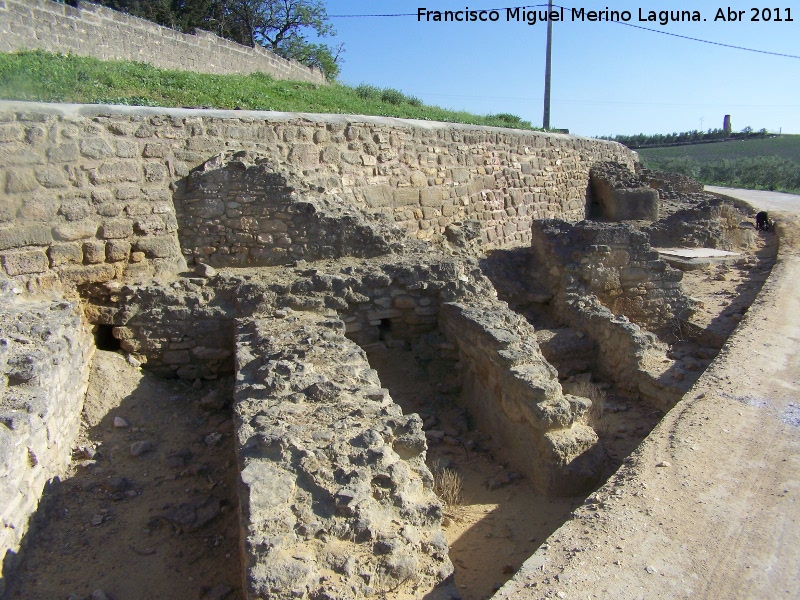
x,y
336,499
511,391
617,265
45,358
237,211
86,192
588,273
99,32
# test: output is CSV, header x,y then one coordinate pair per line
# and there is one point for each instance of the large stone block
x,y
18,236
25,262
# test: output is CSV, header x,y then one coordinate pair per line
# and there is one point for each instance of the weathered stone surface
x,y
24,262
323,486
621,195
512,391
45,360
18,236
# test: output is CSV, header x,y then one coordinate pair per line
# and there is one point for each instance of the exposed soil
x,y
161,525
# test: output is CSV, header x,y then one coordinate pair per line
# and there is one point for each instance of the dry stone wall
x,y
92,30
86,192
45,357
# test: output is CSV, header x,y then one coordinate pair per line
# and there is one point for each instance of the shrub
x,y
392,96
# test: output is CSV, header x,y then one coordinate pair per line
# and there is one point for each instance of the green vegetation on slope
x,y
642,140
44,77
766,164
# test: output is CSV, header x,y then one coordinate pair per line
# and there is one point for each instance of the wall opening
x,y
104,338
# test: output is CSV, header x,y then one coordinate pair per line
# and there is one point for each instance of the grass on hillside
x,y
45,77
785,146
766,164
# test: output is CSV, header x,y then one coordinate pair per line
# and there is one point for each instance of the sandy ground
x,y
707,507
161,525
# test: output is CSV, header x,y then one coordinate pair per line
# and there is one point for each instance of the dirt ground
x,y
160,525
164,525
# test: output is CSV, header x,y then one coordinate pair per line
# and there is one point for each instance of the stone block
x,y
115,172
406,196
29,235
163,246
51,177
94,252
25,262
95,148
176,357
432,197
20,180
75,231
66,152
75,275
378,196
65,254
116,229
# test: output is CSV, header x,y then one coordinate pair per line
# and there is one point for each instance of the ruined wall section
x,y
237,211
336,499
86,192
45,357
185,328
512,391
616,264
634,358
100,32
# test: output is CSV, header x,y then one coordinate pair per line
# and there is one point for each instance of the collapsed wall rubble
x,y
336,499
45,358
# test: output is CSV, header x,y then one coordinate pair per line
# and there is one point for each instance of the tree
x,y
282,26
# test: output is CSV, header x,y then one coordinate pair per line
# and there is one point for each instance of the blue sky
x,y
607,78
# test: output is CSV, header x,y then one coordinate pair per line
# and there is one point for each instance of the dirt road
x,y
707,507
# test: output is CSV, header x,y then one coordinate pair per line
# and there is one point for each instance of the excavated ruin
x,y
545,362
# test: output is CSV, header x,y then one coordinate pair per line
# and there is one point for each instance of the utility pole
x,y
548,60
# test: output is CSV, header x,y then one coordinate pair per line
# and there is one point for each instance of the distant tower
x,y
726,125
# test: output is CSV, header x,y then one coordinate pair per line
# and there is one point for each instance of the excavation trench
x,y
320,445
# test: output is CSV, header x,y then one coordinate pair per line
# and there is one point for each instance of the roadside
x,y
707,506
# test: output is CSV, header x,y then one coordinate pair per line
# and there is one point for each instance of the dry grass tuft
x,y
448,485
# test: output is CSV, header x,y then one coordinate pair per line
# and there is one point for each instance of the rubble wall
x,y
185,328
45,359
86,191
92,30
336,499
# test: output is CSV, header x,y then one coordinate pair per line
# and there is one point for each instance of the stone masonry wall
x,y
86,192
45,356
99,32
617,264
235,211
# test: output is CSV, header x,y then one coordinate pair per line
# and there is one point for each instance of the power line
x,y
684,37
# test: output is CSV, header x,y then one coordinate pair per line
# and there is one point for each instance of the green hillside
x,y
768,164
785,146
44,77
